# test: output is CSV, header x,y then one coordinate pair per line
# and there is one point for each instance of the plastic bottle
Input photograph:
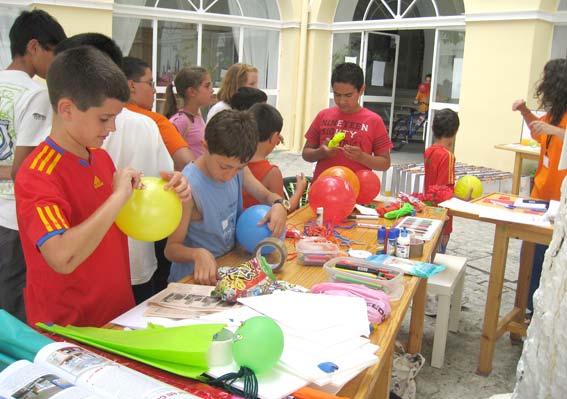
x,y
381,238
320,216
392,238
403,245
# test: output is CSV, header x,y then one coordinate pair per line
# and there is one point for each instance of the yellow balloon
x,y
464,185
151,213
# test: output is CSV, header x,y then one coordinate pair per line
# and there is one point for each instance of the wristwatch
x,y
285,203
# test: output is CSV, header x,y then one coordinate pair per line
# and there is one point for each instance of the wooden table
x,y
374,381
522,152
494,327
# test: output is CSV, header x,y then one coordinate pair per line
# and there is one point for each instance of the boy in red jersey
x,y
68,196
440,161
366,144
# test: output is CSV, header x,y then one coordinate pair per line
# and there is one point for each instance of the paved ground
x,y
473,240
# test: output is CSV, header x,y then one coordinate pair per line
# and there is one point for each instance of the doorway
x,y
395,63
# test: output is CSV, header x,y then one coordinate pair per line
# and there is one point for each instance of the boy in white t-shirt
x,y
25,117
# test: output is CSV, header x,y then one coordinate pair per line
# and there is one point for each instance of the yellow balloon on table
x,y
151,213
464,185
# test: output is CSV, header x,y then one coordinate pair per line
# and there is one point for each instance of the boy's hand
x,y
329,152
276,218
468,197
125,180
178,183
205,267
518,105
353,152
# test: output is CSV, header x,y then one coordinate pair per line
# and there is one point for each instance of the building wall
x,y
79,20
504,56
503,60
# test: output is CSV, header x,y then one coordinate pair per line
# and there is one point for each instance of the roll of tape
x,y
416,247
220,351
280,248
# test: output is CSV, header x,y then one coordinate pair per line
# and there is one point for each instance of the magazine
x,y
183,301
66,371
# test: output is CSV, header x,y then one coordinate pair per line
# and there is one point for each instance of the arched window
x,y
364,10
171,34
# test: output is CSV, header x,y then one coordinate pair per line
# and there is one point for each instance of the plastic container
x,y
314,251
358,273
403,245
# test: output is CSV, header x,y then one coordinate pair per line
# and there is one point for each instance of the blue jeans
x,y
539,255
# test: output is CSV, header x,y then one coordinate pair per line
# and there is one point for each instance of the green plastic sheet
x,y
179,350
18,340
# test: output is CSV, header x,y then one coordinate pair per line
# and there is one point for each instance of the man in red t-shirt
x,y
439,161
366,144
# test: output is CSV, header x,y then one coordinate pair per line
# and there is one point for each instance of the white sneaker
x,y
431,305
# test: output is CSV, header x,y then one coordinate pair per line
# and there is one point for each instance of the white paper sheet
x,y
514,217
378,69
462,206
312,312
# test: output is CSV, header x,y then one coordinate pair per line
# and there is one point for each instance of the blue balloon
x,y
248,233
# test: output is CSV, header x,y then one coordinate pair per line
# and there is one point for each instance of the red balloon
x,y
345,173
334,195
369,186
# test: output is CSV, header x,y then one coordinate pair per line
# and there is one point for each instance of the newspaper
x,y
185,301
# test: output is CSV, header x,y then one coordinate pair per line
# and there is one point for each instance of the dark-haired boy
x,y
439,160
25,115
208,225
69,194
366,144
245,97
270,123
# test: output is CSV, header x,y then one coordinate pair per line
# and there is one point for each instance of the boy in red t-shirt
x,y
439,161
366,144
68,195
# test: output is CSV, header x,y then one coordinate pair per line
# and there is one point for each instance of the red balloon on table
x,y
369,186
334,195
345,173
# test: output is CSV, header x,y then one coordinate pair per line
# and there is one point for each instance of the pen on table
x,y
505,205
358,273
357,281
368,217
368,225
362,269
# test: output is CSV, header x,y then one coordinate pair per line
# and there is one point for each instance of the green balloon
x,y
258,344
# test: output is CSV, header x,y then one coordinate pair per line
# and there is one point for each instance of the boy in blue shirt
x,y
208,225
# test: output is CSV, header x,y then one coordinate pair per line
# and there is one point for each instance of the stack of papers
x,y
318,329
504,214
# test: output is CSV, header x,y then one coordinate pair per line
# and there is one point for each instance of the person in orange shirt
x,y
142,90
549,131
422,96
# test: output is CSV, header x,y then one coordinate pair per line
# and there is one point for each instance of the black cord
x,y
226,381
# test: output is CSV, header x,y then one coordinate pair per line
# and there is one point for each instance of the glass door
x,y
447,70
380,64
